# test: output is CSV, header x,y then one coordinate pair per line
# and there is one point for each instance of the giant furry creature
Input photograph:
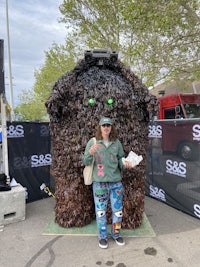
x,y
73,119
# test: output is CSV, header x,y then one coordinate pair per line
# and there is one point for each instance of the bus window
x,y
169,113
192,110
174,113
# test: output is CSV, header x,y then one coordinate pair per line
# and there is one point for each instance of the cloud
x,y
33,27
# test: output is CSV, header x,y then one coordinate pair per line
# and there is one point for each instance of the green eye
x,y
91,101
110,101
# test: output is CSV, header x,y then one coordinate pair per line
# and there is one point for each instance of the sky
x,y
33,27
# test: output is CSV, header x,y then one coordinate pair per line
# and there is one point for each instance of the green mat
x,y
52,228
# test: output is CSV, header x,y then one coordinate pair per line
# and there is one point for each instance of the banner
x,y
173,161
29,156
173,169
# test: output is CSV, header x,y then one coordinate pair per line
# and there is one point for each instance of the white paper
x,y
133,158
13,183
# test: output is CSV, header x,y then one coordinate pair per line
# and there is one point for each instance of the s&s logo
x,y
155,131
44,130
196,132
157,192
197,210
41,160
176,168
15,131
22,162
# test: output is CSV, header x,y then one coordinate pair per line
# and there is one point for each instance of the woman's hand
x,y
128,165
94,148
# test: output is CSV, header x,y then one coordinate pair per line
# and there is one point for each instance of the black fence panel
x,y
173,169
29,156
173,162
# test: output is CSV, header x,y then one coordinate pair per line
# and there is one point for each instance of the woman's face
x,y
105,129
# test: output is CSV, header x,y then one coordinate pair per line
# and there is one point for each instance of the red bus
x,y
183,135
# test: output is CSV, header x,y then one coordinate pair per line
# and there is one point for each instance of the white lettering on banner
x,y
176,168
196,132
197,210
157,193
155,131
15,131
41,160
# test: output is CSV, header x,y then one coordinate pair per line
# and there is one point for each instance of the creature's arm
x,y
56,106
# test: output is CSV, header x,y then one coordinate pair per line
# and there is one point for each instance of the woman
x,y
107,152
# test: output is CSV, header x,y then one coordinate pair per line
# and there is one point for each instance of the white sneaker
x,y
103,243
120,241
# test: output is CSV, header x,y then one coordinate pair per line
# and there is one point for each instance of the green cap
x,y
105,120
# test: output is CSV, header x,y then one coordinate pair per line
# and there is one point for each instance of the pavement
x,y
176,243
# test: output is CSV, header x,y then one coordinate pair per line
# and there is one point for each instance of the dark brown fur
x,y
73,122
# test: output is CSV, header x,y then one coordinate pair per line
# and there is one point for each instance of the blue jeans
x,y
102,192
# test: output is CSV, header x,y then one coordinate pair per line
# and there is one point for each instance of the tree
x,y
31,107
58,60
159,40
